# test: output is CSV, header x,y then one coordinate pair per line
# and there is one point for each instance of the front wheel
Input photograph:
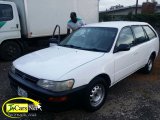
x,y
96,94
10,50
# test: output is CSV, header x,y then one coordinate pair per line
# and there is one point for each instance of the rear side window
x,y
6,12
139,33
151,34
125,37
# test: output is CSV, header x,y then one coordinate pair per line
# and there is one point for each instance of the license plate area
x,y
22,92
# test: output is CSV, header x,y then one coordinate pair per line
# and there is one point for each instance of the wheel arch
x,y
153,55
105,77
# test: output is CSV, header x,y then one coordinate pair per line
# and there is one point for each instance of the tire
x,y
24,46
149,66
10,50
96,94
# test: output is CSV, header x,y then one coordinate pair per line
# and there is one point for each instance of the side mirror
x,y
53,41
123,47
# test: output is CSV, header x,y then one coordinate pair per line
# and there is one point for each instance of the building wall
x,y
148,7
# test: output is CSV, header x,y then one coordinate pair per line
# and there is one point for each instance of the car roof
x,y
115,24
3,2
6,2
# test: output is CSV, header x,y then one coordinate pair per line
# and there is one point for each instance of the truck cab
x,y
9,31
24,23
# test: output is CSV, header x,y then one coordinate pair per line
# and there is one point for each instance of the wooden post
x,y
136,7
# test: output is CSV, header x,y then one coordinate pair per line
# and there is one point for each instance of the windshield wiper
x,y
71,46
89,49
94,49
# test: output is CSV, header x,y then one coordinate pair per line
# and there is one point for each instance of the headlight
x,y
56,86
13,69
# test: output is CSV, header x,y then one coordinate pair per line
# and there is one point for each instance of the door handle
x,y
17,26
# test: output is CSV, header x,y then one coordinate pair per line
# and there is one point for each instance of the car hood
x,y
53,62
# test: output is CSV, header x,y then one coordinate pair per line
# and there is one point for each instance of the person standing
x,y
74,23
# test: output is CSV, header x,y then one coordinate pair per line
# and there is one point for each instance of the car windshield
x,y
99,39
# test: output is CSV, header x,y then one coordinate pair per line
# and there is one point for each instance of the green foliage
x,y
153,19
104,17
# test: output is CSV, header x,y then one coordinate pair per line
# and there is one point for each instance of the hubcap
x,y
11,50
97,95
150,65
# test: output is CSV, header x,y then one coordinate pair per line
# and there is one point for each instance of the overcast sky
x,y
108,3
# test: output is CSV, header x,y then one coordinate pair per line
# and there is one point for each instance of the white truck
x,y
22,21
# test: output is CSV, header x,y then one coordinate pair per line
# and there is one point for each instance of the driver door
x,y
125,61
9,22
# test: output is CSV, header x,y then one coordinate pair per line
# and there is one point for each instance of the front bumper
x,y
45,96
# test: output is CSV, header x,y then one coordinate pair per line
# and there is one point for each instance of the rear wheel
x,y
10,50
96,94
149,66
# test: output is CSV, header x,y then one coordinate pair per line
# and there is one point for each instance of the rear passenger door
x,y
141,43
153,41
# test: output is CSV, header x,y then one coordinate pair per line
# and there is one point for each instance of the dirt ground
x,y
134,98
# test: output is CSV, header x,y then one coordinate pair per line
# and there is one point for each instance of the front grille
x,y
25,76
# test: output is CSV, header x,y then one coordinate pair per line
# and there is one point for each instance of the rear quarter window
x,y
6,12
151,34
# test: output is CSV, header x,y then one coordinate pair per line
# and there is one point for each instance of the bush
x,y
104,17
153,19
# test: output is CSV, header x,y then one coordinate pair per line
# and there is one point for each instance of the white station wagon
x,y
86,63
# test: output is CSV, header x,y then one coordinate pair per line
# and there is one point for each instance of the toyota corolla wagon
x,y
86,63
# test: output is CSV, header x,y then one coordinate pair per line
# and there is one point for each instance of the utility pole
x,y
136,7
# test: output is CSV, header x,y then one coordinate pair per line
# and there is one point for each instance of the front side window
x,y
149,32
6,12
125,37
140,36
91,38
